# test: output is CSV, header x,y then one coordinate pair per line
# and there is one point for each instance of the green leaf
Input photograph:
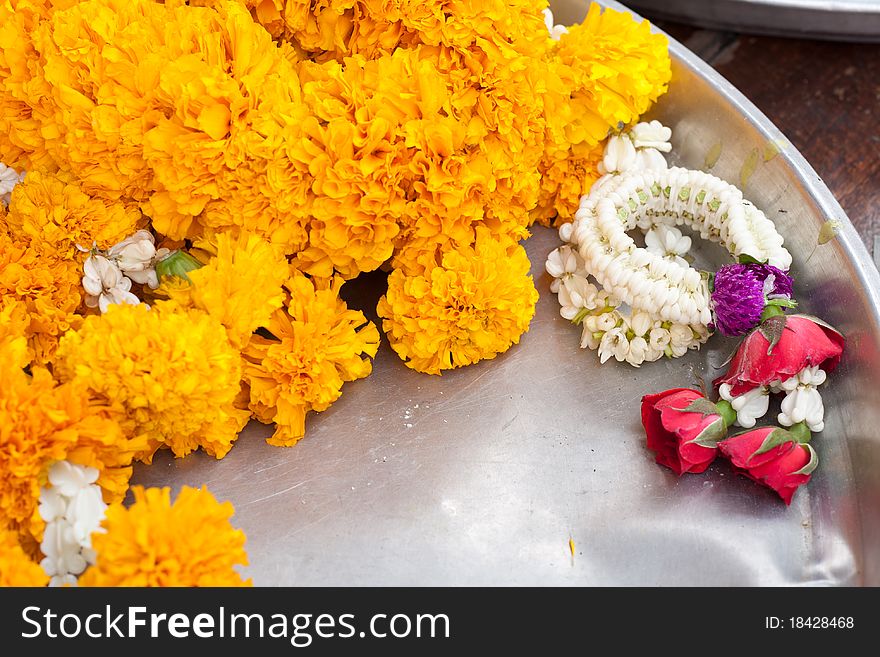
x,y
814,461
711,435
828,231
801,432
746,259
702,406
775,438
177,263
772,330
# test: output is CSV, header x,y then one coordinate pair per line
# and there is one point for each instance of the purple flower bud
x,y
741,293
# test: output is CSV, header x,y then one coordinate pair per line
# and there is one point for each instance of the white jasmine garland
x,y
653,135
614,344
563,262
668,242
72,507
639,148
802,402
659,338
675,292
749,406
105,284
136,257
666,301
575,295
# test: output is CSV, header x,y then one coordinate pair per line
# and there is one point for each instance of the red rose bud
x,y
683,429
773,457
780,348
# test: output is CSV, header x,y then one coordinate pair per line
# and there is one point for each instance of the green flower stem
x,y
725,410
771,311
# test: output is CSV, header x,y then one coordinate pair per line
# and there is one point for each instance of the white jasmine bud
x,y
749,406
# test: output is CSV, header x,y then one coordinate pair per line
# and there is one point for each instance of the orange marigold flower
x,y
316,345
564,181
169,378
48,286
13,327
174,106
42,422
473,305
16,567
240,287
315,27
156,543
53,212
603,73
24,92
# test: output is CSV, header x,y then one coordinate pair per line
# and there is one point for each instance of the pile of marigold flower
x,y
186,186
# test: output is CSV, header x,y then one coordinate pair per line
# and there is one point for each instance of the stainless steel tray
x,y
482,475
843,20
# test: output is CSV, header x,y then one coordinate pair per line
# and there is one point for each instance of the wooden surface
x,y
824,96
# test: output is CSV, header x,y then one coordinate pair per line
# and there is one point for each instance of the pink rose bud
x,y
683,429
780,348
773,457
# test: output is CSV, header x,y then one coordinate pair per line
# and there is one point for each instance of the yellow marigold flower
x,y
13,327
472,306
432,139
48,286
177,107
317,344
564,181
620,64
42,422
240,287
355,202
315,27
16,567
53,212
169,378
156,543
23,90
603,73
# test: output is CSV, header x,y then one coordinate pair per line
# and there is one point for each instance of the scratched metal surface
x,y
481,476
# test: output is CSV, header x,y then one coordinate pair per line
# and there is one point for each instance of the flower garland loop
x,y
661,293
649,302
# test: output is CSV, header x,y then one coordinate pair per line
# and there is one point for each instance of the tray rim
x,y
835,20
